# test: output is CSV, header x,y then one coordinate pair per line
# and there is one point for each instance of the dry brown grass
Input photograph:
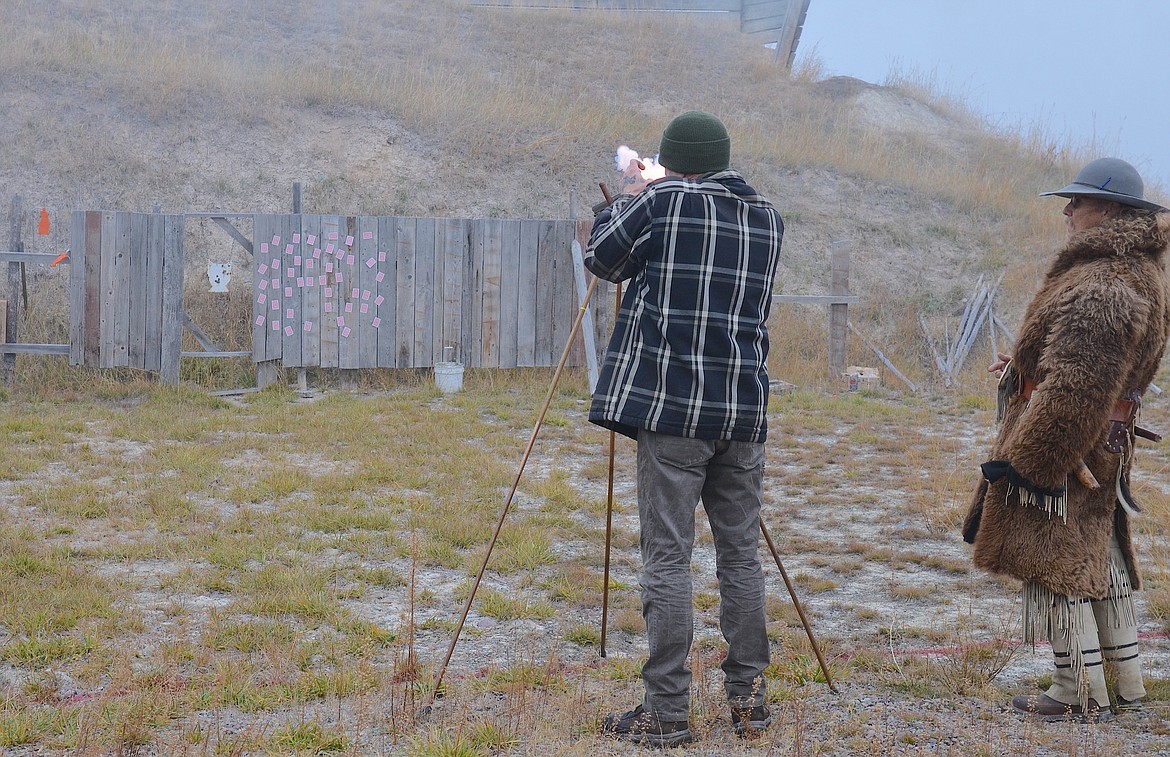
x,y
226,591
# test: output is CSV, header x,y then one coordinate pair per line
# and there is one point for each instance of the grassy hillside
x,y
440,109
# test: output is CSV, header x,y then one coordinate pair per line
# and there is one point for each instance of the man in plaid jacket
x,y
686,375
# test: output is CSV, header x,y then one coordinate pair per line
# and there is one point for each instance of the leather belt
x,y
1122,415
1123,411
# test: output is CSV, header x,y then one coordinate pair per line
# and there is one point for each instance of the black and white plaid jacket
x,y
688,356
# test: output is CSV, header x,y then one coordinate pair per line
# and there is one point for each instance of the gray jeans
x,y
674,474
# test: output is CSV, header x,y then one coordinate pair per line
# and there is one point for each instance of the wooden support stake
x,y
12,307
883,358
579,277
991,333
938,359
986,298
953,348
1003,329
838,313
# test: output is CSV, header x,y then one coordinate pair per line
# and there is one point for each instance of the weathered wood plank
x,y
585,312
838,313
509,292
36,258
815,299
526,283
30,349
437,234
404,316
473,331
76,288
545,292
366,248
493,243
424,288
604,302
94,293
565,295
233,232
108,308
347,281
217,354
121,296
138,253
172,299
292,306
312,270
386,298
203,339
15,278
331,317
453,238
156,242
3,321
262,289
274,338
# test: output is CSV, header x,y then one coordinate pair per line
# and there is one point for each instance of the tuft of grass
x,y
39,652
495,604
247,636
309,737
438,742
583,634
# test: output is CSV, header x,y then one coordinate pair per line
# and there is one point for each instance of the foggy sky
x,y
1086,72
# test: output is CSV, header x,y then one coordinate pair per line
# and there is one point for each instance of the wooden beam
x,y
815,299
579,278
172,299
938,360
838,313
883,358
233,232
34,349
213,353
200,337
7,256
12,309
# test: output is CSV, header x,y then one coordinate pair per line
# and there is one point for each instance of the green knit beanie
x,y
695,142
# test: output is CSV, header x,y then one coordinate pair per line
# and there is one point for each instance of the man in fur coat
x,y
1054,507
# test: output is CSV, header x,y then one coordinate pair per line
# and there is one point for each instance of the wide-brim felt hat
x,y
1109,179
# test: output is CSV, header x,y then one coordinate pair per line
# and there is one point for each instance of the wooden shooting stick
x,y
609,495
799,610
515,484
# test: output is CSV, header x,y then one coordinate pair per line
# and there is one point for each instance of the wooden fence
x,y
401,292
126,291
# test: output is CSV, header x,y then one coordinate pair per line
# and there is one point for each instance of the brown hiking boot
x,y
750,721
642,727
1049,710
1128,705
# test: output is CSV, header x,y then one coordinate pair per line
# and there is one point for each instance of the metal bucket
x,y
449,377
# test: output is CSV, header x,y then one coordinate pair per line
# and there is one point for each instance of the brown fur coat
x,y
1097,328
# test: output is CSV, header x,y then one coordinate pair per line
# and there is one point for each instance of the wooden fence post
x,y
838,313
302,373
12,311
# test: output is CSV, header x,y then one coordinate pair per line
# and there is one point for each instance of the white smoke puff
x,y
652,168
624,156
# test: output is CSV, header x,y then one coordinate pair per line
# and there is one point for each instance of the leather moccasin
x,y
1049,710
